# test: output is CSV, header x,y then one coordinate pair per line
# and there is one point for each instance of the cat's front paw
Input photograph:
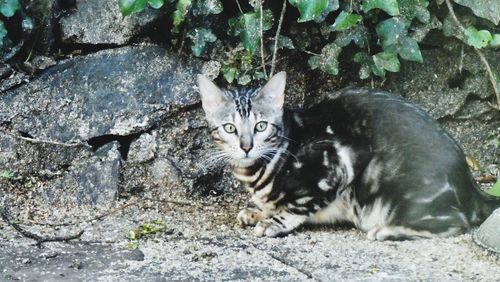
x,y
270,228
249,216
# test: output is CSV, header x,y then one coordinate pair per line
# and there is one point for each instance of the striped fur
x,y
362,157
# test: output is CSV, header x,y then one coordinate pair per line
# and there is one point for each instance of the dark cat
x,y
361,156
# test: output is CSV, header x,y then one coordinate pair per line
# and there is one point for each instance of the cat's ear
x,y
212,96
274,90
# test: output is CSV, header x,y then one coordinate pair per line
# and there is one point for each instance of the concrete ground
x,y
201,241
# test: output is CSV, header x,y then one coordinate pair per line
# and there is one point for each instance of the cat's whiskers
x,y
212,160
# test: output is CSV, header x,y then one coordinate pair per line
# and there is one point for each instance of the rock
x,y
488,234
443,85
10,78
143,149
112,92
100,22
74,175
94,180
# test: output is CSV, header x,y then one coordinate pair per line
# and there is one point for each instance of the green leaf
x,y
495,42
391,32
411,9
285,42
207,7
128,7
478,39
157,4
244,79
391,7
357,34
409,50
247,26
229,73
486,9
199,37
309,9
181,10
3,33
27,24
9,7
394,39
386,61
495,190
327,61
365,61
6,174
345,21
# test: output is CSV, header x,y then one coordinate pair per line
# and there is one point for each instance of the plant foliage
x,y
10,25
379,34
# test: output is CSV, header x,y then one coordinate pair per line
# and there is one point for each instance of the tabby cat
x,y
361,156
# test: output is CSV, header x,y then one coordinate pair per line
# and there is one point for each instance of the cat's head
x,y
247,124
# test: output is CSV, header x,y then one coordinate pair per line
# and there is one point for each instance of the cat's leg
x,y
250,216
382,233
279,224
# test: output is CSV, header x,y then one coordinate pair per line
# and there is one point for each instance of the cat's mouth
x,y
245,161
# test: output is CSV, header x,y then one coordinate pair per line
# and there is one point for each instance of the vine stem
x,y
262,39
273,61
479,53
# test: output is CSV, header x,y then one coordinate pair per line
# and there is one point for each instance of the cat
x,y
361,156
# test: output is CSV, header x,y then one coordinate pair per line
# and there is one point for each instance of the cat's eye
x,y
261,126
229,128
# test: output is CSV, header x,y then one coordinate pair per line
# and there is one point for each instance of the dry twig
x,y
39,239
262,58
273,61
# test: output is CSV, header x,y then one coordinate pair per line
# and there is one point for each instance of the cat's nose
x,y
246,148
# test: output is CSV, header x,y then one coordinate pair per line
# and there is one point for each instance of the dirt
x,y
202,241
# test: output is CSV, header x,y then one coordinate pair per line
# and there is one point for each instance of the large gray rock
x,y
488,234
113,92
113,95
100,22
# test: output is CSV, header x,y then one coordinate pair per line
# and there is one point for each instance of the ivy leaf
x,y
157,4
386,61
478,39
229,73
3,33
394,38
181,9
495,42
357,34
244,79
7,174
364,60
199,37
207,7
391,7
345,21
327,61
391,32
283,42
495,190
128,7
247,26
309,9
411,9
9,7
486,9
409,50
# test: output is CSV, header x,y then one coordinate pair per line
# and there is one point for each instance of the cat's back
x,y
384,121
